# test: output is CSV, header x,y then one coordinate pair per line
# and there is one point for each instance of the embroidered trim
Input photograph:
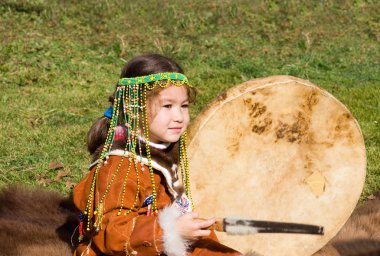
x,y
128,248
155,165
154,236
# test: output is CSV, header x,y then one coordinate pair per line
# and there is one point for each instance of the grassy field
x,y
59,61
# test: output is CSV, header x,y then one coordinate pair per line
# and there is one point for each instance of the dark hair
x,y
149,64
139,66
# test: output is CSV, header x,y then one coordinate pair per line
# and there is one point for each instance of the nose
x,y
178,115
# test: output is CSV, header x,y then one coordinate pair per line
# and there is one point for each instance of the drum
x,y
279,149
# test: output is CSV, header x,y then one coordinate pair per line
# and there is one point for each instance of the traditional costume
x,y
135,191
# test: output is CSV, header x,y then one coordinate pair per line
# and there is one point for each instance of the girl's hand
x,y
192,228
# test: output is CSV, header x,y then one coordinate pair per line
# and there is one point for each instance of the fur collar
x,y
163,160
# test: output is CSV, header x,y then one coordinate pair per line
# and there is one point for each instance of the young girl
x,y
136,198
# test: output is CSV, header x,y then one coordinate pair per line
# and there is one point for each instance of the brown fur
x,y
35,222
360,236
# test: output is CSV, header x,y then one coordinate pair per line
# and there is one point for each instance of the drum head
x,y
279,149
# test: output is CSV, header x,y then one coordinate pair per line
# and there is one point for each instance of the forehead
x,y
174,93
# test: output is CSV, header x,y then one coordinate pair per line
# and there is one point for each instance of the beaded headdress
x,y
131,109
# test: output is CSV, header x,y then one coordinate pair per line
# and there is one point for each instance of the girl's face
x,y
169,114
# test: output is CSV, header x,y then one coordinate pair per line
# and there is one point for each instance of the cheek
x,y
158,120
187,118
153,109
153,114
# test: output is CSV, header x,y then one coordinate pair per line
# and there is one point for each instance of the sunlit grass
x,y
59,61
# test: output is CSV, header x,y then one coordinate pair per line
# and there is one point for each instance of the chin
x,y
173,140
169,138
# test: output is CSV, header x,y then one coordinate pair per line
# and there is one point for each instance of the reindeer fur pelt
x,y
35,222
360,236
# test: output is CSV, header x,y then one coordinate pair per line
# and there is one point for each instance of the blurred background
x,y
60,60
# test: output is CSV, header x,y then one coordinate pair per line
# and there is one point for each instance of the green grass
x,y
59,61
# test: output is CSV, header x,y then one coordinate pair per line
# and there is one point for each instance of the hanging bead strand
x,y
91,196
185,167
146,136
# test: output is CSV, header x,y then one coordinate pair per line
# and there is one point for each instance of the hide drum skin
x,y
279,149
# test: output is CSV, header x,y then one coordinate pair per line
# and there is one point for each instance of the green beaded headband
x,y
171,78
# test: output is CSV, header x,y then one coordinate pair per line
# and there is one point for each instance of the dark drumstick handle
x,y
246,226
284,227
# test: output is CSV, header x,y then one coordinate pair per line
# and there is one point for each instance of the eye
x,y
169,106
185,105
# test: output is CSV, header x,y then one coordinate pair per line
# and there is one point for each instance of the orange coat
x,y
134,233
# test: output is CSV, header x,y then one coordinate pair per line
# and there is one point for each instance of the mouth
x,y
175,129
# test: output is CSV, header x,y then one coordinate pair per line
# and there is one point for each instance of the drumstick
x,y
239,226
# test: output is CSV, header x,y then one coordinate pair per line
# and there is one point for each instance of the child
x,y
136,198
